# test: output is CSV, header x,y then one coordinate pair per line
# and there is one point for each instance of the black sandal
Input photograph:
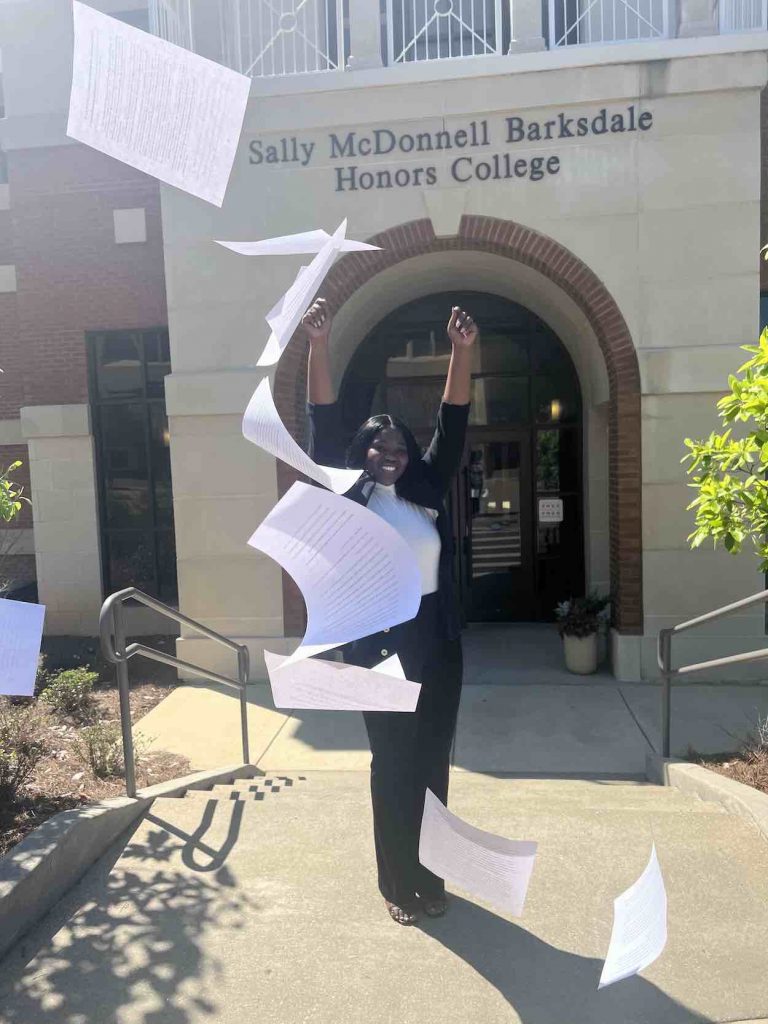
x,y
435,908
406,915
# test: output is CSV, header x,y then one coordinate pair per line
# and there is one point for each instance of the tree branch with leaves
x,y
729,472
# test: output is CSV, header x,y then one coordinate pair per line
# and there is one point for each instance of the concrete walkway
x,y
257,901
523,715
264,908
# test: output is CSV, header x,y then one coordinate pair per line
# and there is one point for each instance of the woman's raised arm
x,y
317,323
463,333
444,453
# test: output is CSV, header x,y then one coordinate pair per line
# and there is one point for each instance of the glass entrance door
x,y
497,562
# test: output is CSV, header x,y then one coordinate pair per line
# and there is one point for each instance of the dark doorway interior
x,y
516,503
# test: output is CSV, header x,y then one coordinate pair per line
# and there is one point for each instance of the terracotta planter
x,y
581,653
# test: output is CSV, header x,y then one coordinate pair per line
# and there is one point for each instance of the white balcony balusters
x,y
434,29
289,37
172,20
742,15
584,22
257,37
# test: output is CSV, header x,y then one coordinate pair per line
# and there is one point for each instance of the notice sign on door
x,y
550,510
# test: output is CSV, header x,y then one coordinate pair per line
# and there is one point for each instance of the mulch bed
x,y
62,780
749,767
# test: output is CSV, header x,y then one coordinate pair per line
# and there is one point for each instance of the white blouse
x,y
416,525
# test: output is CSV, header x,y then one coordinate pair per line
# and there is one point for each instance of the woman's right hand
x,y
317,321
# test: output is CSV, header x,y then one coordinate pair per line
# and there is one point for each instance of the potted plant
x,y
579,621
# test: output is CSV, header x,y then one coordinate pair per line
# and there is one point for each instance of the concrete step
x,y
247,789
225,911
563,794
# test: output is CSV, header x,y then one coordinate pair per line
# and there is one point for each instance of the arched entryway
x,y
517,499
353,288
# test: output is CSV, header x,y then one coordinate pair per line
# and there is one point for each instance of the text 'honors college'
x,y
372,146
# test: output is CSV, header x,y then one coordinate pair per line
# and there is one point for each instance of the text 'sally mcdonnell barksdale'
x,y
350,153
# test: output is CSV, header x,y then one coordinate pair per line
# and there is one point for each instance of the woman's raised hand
x,y
462,329
317,321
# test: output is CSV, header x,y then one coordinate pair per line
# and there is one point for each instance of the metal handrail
x,y
113,646
664,657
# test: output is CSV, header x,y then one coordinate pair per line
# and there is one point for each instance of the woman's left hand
x,y
462,329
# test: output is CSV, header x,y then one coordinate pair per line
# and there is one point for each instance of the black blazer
x,y
425,484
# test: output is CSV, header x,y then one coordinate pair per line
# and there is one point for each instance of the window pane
x,y
499,400
119,365
416,404
158,357
131,560
161,465
166,565
548,355
500,353
555,399
556,461
124,455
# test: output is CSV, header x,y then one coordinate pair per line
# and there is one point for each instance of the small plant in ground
x,y
582,616
100,746
10,494
756,743
71,692
21,749
44,676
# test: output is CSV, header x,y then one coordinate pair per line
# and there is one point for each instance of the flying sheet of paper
x,y
292,245
331,686
356,573
284,317
489,867
263,426
639,931
21,632
155,106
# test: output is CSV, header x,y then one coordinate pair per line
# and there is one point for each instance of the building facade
x,y
590,188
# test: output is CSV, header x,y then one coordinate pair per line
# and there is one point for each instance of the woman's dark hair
x,y
363,439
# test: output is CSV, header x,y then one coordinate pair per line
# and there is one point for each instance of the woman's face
x,y
387,457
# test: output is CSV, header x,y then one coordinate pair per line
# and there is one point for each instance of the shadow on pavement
x,y
129,939
546,985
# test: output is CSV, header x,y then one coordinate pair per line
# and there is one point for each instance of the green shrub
x,y
21,748
729,474
71,692
10,494
100,746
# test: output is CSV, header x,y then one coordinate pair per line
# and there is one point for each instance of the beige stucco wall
x,y
667,219
65,517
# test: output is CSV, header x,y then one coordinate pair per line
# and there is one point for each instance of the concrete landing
x,y
265,909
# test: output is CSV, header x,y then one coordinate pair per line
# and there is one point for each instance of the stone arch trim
x,y
555,262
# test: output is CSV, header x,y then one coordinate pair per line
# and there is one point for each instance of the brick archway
x,y
555,262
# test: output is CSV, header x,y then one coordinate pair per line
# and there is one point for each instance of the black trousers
x,y
411,751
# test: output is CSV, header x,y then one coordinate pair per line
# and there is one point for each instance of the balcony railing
x,y
265,38
579,22
261,38
433,30
742,15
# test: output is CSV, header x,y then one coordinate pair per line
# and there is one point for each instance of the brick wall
x,y
71,275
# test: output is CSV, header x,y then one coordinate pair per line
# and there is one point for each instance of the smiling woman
x,y
406,489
